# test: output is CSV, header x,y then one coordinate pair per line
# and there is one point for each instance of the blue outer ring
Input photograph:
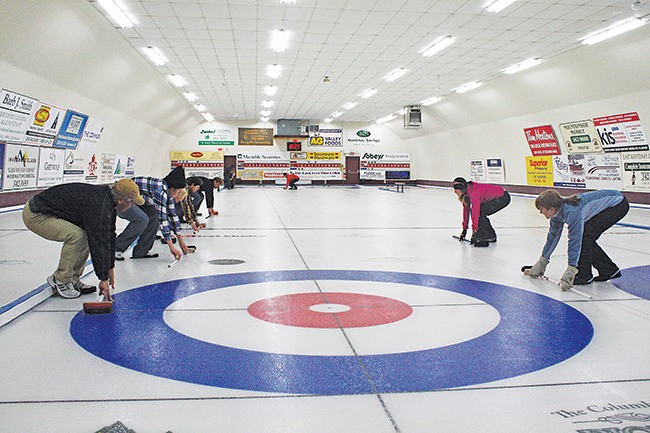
x,y
535,332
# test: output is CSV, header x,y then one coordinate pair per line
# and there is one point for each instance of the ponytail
x,y
552,199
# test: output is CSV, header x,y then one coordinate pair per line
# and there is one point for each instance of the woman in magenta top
x,y
480,200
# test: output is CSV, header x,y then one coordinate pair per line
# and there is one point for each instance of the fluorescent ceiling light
x,y
177,80
200,107
264,119
273,71
119,15
289,2
155,55
498,5
190,96
328,120
279,40
265,113
437,46
267,103
368,93
336,114
431,101
270,90
207,116
467,87
614,30
350,105
385,119
395,74
522,65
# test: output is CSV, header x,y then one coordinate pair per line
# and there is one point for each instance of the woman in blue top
x,y
587,216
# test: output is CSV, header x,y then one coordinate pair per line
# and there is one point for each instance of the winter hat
x,y
176,178
460,183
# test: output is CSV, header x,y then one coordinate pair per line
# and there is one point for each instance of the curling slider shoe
x,y
100,306
191,248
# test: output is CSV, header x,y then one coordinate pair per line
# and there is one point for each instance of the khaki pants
x,y
74,252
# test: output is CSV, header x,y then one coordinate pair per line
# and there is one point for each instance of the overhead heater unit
x,y
412,117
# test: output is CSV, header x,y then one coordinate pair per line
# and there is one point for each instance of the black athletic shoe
x,y
146,256
616,274
581,281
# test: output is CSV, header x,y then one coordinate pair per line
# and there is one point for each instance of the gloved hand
x,y
566,282
538,268
463,234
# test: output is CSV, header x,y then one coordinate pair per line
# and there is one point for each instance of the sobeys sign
x,y
216,137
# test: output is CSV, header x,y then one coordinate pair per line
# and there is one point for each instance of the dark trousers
x,y
196,199
485,229
590,253
292,184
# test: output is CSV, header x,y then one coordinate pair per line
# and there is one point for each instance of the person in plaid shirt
x,y
185,207
160,210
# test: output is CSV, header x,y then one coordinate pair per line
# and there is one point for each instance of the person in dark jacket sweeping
x,y
82,216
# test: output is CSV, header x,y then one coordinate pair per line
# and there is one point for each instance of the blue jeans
x,y
142,220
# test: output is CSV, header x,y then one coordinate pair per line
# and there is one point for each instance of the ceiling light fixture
x,y
265,113
270,90
264,119
368,93
437,46
273,71
289,2
207,116
177,80
498,5
119,15
200,108
467,87
614,30
350,105
385,119
522,65
328,120
336,114
155,55
267,103
395,74
190,96
279,40
431,101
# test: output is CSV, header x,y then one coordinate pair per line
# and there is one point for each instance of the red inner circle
x,y
365,310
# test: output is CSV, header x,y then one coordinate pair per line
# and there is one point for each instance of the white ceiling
x,y
221,48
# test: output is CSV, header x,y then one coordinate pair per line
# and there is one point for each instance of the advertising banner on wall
x,y
581,137
71,130
119,171
2,163
106,168
216,137
621,133
327,138
569,171
477,170
80,167
603,171
50,167
363,137
539,170
542,140
255,136
385,166
636,171
495,170
20,167
262,165
318,165
91,135
207,164
15,114
44,125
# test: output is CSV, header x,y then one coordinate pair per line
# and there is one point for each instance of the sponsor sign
x,y
106,168
495,170
198,163
569,171
621,133
50,167
364,137
580,137
44,125
542,140
75,167
20,167
262,165
15,114
255,136
71,130
636,171
376,165
327,138
603,171
216,137
318,165
539,170
477,170
92,133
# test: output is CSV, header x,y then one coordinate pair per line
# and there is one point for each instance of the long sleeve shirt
x,y
291,177
155,193
591,204
479,193
208,189
89,207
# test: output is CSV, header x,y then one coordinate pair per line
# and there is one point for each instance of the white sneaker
x,y
83,288
65,290
119,255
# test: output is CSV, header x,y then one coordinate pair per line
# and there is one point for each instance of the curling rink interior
x,y
334,309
